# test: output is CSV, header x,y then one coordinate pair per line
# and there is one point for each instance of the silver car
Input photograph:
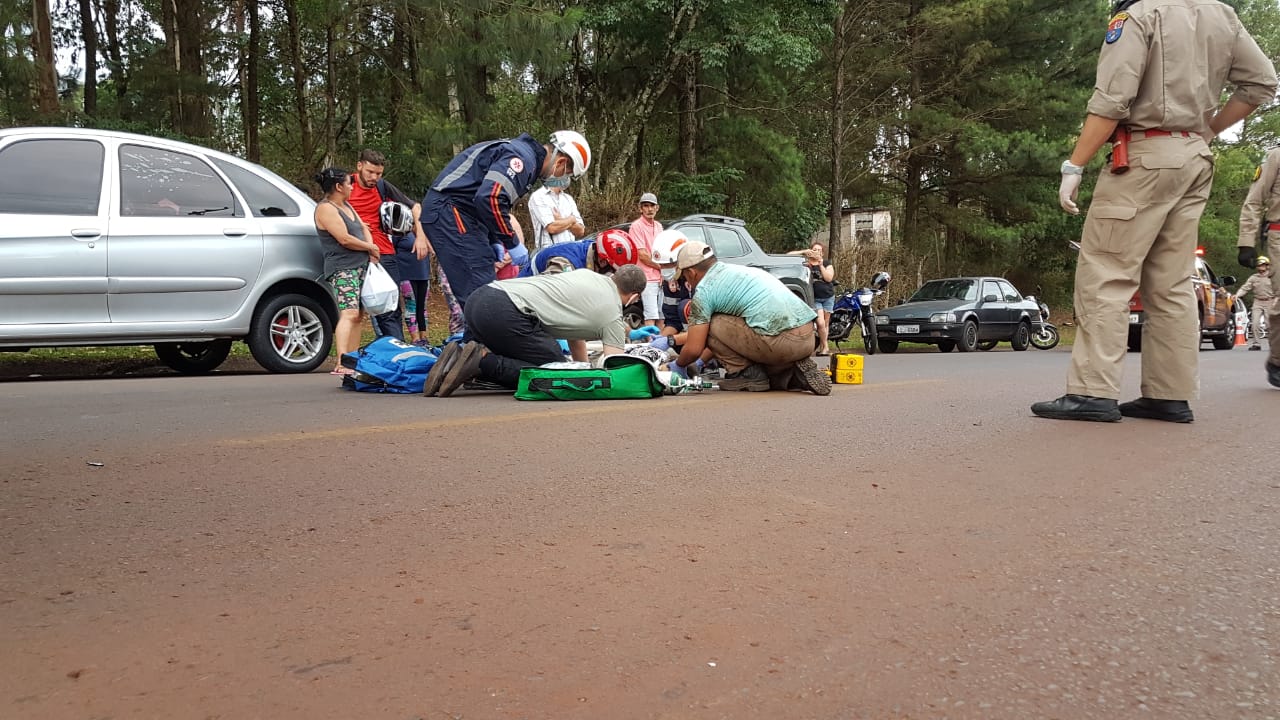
x,y
109,238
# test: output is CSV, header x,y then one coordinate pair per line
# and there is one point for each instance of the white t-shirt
x,y
543,204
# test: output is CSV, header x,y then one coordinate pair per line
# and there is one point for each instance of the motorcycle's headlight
x,y
946,317
882,319
865,298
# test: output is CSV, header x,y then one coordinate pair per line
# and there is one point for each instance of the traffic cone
x,y
1240,339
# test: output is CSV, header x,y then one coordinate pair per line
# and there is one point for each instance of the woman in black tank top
x,y
348,249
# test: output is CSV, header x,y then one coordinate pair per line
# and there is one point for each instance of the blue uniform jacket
x,y
484,181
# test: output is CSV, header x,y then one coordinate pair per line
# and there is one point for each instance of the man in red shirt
x,y
643,230
368,191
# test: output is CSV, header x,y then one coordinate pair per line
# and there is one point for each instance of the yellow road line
x,y
457,422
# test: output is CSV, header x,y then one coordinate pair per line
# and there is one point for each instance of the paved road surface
x,y
259,546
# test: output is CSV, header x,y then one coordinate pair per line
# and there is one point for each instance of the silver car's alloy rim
x,y
297,334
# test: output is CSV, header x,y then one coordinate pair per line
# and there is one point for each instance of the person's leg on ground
x,y
1171,334
512,339
391,322
410,306
346,332
651,298
1255,325
421,293
1273,339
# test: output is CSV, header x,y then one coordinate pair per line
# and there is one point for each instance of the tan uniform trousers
x,y
1273,333
1141,231
737,345
1260,308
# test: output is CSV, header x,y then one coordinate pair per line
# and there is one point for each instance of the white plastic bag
x,y
379,293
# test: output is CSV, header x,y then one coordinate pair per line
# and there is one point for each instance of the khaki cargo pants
x,y
1141,231
736,345
1273,332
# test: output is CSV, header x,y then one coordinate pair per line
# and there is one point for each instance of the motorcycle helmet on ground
x,y
396,218
615,247
880,280
573,146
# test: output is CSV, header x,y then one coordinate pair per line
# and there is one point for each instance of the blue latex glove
x,y
644,334
519,256
498,251
662,342
679,370
564,346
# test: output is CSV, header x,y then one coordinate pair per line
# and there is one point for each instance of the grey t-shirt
x,y
336,255
576,305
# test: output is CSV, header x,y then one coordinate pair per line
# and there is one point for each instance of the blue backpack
x,y
388,365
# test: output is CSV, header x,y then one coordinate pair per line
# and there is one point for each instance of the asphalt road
x,y
255,546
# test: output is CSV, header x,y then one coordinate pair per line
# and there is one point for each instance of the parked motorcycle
x,y
1045,337
853,307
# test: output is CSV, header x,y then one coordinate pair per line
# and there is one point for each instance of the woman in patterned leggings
x,y
348,249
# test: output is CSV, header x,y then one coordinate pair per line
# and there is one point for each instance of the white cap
x,y
649,198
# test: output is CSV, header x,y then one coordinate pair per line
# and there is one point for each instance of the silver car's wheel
x,y
290,334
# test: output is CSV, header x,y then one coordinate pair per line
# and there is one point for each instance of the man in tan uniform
x,y
1258,218
1263,285
1162,69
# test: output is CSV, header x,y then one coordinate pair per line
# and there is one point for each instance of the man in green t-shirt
x,y
759,331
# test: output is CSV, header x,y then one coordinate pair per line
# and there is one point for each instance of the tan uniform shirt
x,y
1139,88
1260,204
1262,286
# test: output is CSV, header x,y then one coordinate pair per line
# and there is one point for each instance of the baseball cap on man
x,y
649,198
692,253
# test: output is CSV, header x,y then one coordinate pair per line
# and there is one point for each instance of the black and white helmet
x,y
396,218
880,280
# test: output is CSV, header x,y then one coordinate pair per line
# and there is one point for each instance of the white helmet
x,y
665,246
573,146
396,218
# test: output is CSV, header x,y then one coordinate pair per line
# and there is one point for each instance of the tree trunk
x,y
115,57
330,96
689,115
835,242
252,110
89,34
308,149
194,104
914,176
42,50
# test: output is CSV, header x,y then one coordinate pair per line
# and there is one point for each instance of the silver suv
x,y
110,238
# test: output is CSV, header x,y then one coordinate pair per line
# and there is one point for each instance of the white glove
x,y
1068,191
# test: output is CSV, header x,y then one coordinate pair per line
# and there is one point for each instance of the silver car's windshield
x,y
946,290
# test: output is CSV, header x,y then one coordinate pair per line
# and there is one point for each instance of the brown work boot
x,y
808,376
465,367
752,378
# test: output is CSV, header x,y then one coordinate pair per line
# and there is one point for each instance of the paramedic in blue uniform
x,y
468,207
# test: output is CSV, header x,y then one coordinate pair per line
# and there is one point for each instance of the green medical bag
x,y
622,377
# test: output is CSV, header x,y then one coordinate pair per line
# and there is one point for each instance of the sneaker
x,y
808,376
465,366
1273,374
436,374
752,378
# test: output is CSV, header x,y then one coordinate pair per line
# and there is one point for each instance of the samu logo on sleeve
x,y
1116,27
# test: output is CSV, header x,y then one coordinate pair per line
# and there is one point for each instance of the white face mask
x,y
668,273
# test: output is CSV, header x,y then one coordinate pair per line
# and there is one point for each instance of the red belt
x,y
1274,226
1161,133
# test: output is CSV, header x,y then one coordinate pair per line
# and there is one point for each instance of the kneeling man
x,y
759,331
514,324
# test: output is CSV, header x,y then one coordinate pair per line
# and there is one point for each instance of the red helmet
x,y
616,248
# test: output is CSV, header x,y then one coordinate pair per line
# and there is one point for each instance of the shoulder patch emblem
x,y
517,164
1257,173
1116,27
